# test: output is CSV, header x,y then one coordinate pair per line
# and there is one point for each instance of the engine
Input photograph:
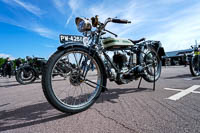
x,y
125,62
120,60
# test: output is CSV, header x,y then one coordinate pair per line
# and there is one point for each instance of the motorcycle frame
x,y
95,47
138,49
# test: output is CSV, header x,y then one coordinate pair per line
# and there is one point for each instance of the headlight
x,y
83,24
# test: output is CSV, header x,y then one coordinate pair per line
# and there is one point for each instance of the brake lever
x,y
103,33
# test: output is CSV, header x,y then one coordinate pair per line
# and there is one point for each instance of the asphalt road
x,y
123,109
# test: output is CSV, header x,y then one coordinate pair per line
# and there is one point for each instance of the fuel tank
x,y
116,43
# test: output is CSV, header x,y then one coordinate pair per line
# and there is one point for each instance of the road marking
x,y
183,93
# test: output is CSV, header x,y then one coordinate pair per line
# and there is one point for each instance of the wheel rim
x,y
74,90
26,76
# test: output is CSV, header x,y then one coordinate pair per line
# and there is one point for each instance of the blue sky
x,y
32,27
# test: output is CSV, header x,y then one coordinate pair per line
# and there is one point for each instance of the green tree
x,y
2,60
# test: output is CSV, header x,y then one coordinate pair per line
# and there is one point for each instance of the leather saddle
x,y
137,41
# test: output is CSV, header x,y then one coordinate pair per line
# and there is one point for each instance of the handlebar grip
x,y
121,21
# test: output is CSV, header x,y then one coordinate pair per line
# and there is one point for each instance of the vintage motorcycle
x,y
91,65
30,71
195,61
27,73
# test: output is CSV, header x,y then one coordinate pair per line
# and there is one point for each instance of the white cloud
x,y
27,6
169,1
68,20
181,30
176,31
60,6
43,31
74,5
2,55
130,10
33,26
25,23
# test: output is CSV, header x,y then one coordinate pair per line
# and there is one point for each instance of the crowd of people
x,y
7,68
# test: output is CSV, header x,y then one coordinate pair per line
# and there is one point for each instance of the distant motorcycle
x,y
30,71
195,61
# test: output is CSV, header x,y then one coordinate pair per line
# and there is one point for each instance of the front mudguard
x,y
93,52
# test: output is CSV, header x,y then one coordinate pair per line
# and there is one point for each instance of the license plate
x,y
70,38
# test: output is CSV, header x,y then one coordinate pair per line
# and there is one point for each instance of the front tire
x,y
57,91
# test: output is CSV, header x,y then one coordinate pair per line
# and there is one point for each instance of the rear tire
x,y
151,58
50,91
194,66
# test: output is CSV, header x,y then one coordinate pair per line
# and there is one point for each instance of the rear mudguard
x,y
158,48
93,52
155,45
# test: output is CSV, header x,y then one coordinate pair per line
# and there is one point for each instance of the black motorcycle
x,y
195,61
88,59
30,71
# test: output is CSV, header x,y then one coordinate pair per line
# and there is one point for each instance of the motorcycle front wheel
x,y
195,66
82,86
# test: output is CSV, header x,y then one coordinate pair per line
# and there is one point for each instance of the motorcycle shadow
x,y
179,76
18,84
29,115
10,85
112,94
196,78
7,81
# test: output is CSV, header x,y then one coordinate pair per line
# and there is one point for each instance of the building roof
x,y
177,53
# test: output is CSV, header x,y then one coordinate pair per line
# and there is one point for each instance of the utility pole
x,y
196,43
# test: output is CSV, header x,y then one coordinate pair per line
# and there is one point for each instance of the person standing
x,y
4,69
18,62
8,67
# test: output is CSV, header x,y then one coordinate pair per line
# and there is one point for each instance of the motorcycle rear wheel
x,y
152,63
194,66
75,93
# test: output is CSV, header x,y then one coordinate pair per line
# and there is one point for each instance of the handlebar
x,y
120,21
101,26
